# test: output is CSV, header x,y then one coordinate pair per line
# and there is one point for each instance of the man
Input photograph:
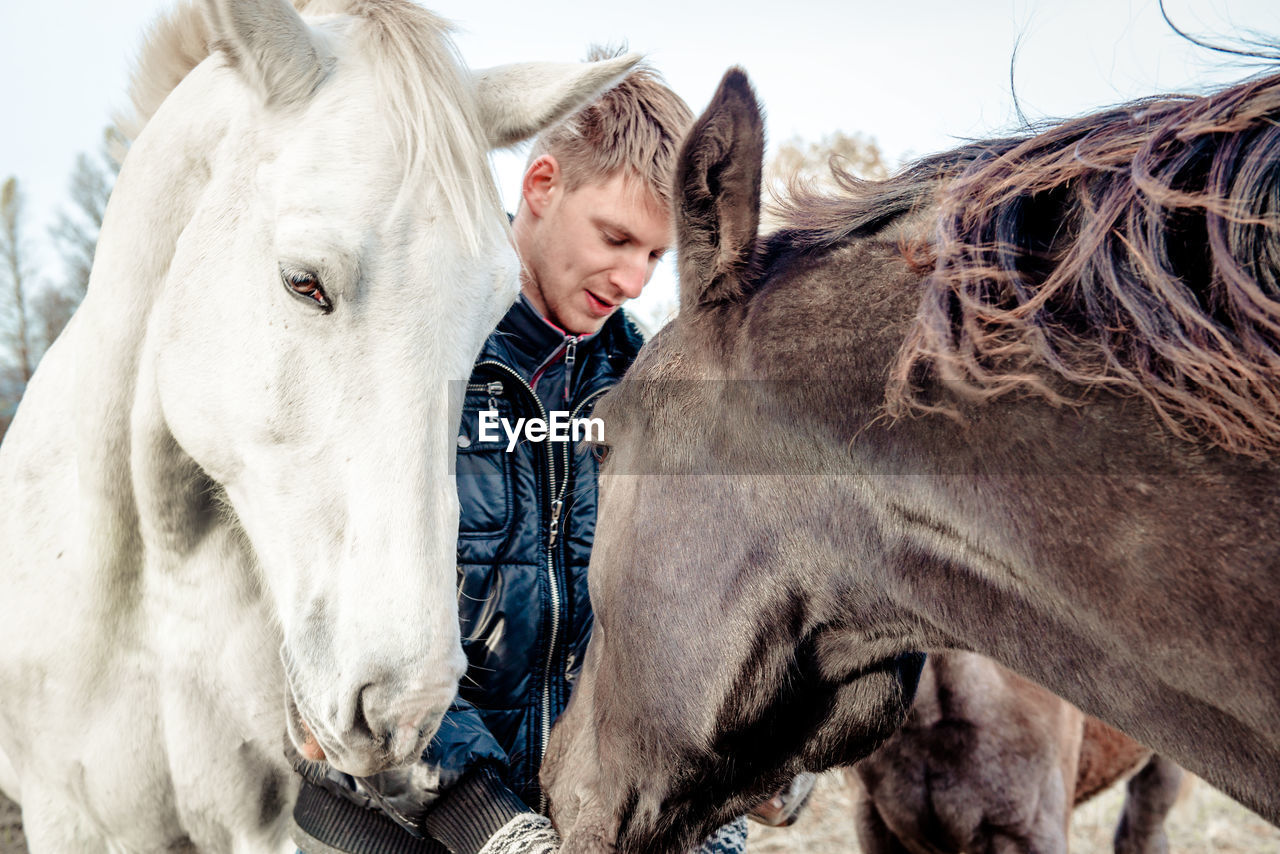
x,y
593,223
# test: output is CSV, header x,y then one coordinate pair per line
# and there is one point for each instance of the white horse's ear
x,y
516,101
271,46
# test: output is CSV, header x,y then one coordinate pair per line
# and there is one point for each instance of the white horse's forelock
x,y
421,77
421,80
176,42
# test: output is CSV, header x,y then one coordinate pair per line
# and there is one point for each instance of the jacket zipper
x,y
569,349
557,507
554,634
493,388
570,356
565,485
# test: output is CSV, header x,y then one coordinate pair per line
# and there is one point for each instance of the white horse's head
x,y
336,254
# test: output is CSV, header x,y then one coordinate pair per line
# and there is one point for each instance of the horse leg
x,y
1047,836
1002,843
51,824
9,784
874,836
1151,794
249,812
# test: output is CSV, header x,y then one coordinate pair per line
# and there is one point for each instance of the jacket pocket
x,y
483,467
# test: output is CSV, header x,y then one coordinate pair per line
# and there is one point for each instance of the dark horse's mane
x,y
1135,250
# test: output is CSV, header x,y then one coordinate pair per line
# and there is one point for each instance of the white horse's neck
x,y
118,419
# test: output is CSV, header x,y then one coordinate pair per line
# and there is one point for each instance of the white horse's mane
x,y
421,80
176,42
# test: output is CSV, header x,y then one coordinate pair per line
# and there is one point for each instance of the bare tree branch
x,y
75,233
811,162
13,262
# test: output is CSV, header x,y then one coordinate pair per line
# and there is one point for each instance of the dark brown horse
x,y
1023,399
991,763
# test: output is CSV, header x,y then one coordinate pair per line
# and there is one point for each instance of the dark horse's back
x,y
1076,339
1079,334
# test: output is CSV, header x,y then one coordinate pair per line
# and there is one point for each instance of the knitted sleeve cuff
x,y
529,833
473,811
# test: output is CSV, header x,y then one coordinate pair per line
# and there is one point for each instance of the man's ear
x,y
542,181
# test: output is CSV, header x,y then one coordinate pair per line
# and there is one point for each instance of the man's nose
x,y
630,276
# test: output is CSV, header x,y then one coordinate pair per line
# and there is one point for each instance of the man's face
x,y
587,251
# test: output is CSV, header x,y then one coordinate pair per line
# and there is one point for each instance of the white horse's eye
x,y
305,285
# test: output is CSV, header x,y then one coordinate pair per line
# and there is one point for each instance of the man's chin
x,y
582,323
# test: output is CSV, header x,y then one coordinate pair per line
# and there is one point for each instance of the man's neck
x,y
532,291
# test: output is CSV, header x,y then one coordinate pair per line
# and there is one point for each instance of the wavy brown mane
x,y
1134,250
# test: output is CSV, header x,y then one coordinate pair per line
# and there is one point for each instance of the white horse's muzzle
x,y
376,726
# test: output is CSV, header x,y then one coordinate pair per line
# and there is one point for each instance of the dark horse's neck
x,y
1086,548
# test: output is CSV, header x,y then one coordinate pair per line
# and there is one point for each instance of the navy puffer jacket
x,y
524,542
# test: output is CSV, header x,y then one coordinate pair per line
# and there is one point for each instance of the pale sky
x,y
916,75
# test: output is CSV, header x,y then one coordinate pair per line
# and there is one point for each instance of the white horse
x,y
227,494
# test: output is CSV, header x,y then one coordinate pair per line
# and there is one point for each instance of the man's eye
x,y
613,239
305,285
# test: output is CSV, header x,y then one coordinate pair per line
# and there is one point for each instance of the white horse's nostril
x,y
359,720
394,723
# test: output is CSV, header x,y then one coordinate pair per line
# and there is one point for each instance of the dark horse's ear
x,y
718,202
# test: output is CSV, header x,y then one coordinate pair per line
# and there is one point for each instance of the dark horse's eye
x,y
305,285
599,450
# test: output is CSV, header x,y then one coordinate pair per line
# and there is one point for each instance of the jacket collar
x,y
527,341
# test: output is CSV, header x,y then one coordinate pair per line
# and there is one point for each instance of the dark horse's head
x,y
692,706
756,606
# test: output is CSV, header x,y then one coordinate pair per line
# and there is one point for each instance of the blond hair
x,y
635,129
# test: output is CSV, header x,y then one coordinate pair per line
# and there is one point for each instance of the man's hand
x,y
527,833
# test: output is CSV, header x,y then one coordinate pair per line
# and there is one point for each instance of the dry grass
x,y
1204,822
11,839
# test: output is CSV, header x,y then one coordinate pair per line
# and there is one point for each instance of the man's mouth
x,y
598,306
